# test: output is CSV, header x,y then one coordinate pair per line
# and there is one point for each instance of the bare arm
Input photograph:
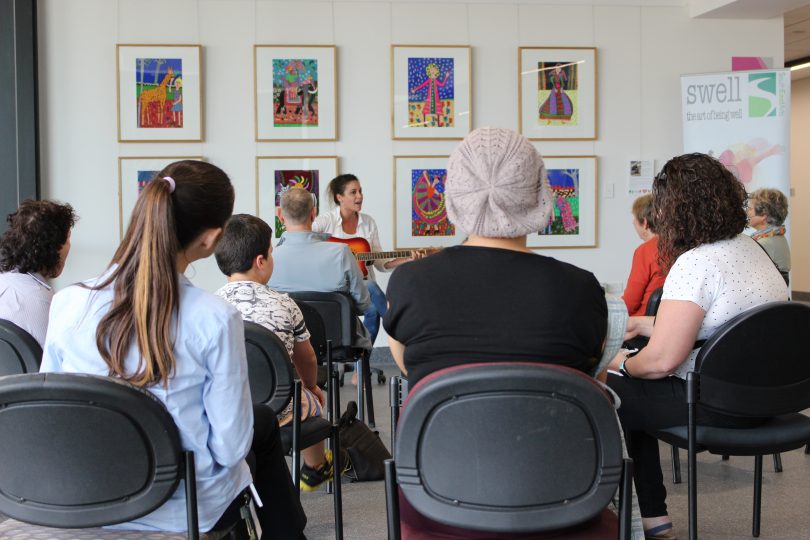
x,y
306,363
398,352
676,329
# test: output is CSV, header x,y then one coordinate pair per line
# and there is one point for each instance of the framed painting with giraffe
x,y
275,175
159,93
420,214
295,92
574,222
133,174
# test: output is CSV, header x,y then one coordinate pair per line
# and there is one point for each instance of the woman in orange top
x,y
645,274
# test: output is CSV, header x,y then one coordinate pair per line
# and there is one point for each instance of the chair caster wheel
x,y
381,379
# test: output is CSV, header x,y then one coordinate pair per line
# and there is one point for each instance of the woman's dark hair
x,y
167,217
36,232
245,237
697,201
338,185
771,203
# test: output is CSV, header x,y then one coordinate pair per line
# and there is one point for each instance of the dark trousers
x,y
650,405
282,516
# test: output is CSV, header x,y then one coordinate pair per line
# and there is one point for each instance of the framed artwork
x,y
275,175
431,91
573,182
295,92
159,93
557,93
133,174
420,213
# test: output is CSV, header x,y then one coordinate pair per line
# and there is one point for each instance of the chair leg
x,y
296,437
777,463
393,400
757,495
676,465
361,404
807,449
337,469
391,500
191,496
626,501
366,373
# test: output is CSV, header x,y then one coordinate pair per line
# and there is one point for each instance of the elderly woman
x,y
492,299
645,273
714,273
767,211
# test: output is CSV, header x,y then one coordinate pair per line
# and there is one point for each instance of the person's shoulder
x,y
206,307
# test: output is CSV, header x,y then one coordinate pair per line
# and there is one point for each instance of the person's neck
x,y
305,227
348,215
647,235
515,244
250,275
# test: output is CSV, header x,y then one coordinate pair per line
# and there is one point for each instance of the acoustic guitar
x,y
362,252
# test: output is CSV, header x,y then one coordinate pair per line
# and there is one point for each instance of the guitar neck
x,y
377,255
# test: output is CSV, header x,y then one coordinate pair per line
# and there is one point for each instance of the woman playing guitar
x,y
347,221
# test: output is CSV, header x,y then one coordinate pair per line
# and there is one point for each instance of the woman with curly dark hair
x,y
33,249
714,273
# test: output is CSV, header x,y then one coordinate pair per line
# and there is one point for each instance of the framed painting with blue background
x,y
275,175
420,213
295,92
133,174
431,91
159,93
557,93
574,224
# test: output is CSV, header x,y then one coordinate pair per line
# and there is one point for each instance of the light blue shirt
x,y
303,261
208,395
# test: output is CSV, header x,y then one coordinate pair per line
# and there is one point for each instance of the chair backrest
x,y
317,330
336,311
83,451
19,351
508,447
654,301
270,371
758,363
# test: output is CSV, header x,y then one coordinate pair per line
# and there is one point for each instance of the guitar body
x,y
356,245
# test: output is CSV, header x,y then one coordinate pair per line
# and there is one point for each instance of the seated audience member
x,y
144,322
305,261
32,250
767,210
244,254
492,299
645,274
714,274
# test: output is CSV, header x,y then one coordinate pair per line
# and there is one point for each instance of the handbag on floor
x,y
366,451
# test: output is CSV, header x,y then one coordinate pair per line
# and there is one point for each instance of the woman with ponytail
x,y
143,321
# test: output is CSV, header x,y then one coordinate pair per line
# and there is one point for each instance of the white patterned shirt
x,y
724,279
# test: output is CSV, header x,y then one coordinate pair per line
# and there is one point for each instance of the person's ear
x,y
313,214
259,261
279,215
210,237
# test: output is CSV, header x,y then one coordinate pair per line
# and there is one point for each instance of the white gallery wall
x,y
642,51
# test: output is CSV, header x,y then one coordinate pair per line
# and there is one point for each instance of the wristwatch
x,y
623,367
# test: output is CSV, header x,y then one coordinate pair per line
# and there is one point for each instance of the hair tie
x,y
172,185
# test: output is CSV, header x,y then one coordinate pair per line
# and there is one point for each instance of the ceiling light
x,y
800,66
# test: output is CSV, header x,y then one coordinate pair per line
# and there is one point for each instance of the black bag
x,y
365,450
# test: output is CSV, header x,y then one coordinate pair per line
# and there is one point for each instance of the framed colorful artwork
x,y
275,175
420,213
431,91
159,93
573,182
557,93
133,174
295,92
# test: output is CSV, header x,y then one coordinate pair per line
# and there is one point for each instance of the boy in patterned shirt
x,y
244,254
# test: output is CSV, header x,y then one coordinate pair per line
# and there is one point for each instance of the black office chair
x,y
553,461
19,351
397,392
271,378
317,338
340,320
755,365
79,451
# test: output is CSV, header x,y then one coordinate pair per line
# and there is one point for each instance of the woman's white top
x,y
208,395
332,223
724,278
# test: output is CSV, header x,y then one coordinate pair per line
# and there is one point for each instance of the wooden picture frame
x,y
557,93
295,90
419,75
276,173
159,93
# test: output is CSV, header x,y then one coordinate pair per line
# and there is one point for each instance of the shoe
x,y
311,479
661,532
